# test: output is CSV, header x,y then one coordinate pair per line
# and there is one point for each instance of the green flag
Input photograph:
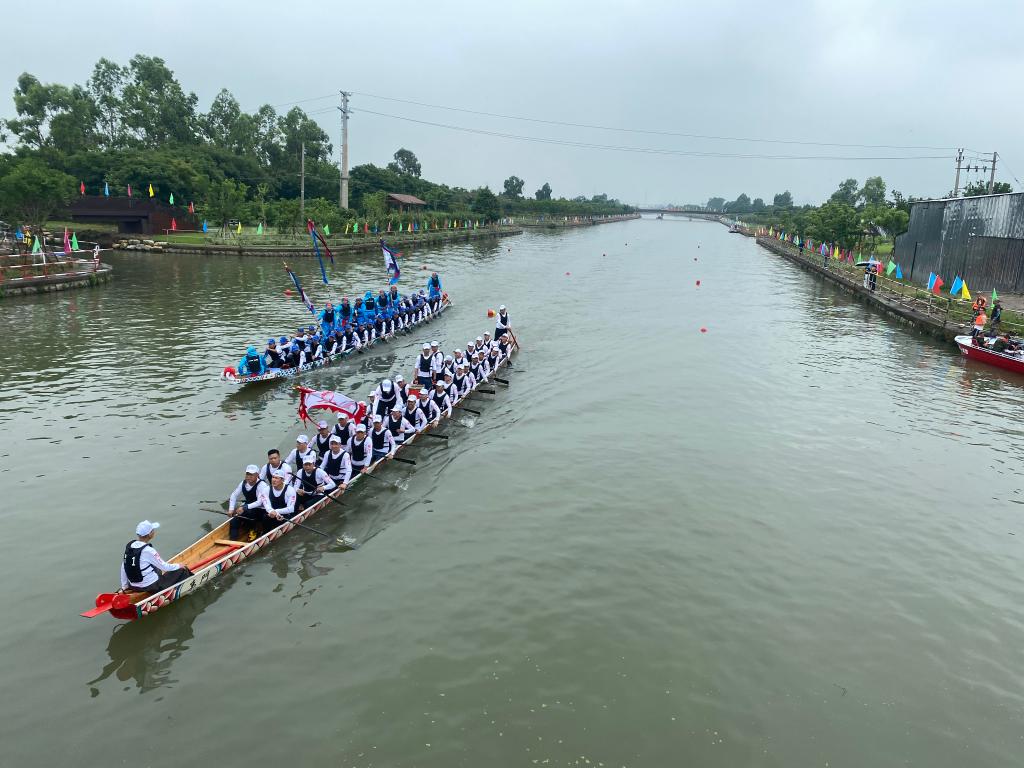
x,y
74,241
172,198
890,267
35,245
994,295
327,229
355,227
259,228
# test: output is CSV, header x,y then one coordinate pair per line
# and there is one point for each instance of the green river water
x,y
794,540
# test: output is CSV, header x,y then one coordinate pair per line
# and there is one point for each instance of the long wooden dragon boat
x,y
230,375
213,554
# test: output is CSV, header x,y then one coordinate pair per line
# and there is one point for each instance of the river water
x,y
793,540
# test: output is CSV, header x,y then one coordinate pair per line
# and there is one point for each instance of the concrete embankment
x,y
570,223
938,316
81,276
339,246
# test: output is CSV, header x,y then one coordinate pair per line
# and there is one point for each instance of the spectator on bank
x,y
979,323
997,316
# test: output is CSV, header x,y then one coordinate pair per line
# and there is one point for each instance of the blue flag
x,y
316,250
302,293
391,263
931,280
204,225
956,286
899,272
18,234
106,189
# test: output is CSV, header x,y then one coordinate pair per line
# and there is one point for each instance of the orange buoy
x,y
287,291
490,313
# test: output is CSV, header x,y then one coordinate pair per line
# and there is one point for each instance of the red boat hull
x,y
987,356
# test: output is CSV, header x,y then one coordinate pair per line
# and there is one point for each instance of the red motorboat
x,y
1010,361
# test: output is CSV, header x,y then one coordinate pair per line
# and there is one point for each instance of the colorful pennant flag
x,y
238,229
931,280
171,199
67,242
327,229
956,286
81,187
995,296
890,267
939,282
129,190
174,224
150,190
204,225
391,263
311,228
106,189
74,241
899,272
191,207
36,245
259,228
964,293
302,293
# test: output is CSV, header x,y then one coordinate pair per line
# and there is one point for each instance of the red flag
x,y
310,400
81,187
129,190
174,224
191,208
67,242
366,228
939,282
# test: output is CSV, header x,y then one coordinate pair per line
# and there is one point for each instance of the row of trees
x,y
743,203
135,124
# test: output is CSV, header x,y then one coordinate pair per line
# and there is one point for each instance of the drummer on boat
x,y
142,568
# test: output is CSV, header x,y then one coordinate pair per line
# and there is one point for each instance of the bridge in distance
x,y
696,213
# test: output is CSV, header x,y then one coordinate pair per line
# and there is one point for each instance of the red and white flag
x,y
67,242
311,400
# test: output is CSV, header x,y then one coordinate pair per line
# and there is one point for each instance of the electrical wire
x,y
641,150
649,131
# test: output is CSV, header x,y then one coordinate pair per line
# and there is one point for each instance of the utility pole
x,y
302,182
343,190
992,176
956,184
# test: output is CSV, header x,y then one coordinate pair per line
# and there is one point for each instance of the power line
x,y
643,150
649,131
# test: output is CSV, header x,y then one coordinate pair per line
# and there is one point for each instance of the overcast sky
x,y
933,74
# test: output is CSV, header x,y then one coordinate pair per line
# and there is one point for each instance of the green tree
x,y
486,204
106,87
405,163
52,116
224,200
33,193
513,188
981,188
873,191
847,193
783,200
716,204
544,193
757,206
157,111
740,205
835,222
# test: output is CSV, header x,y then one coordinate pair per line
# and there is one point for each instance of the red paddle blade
x,y
103,604
120,601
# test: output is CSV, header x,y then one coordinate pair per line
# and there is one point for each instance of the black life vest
x,y
249,494
343,432
438,400
323,444
329,317
345,311
382,303
252,364
332,464
503,320
391,399
308,481
378,439
459,381
133,562
424,365
424,408
395,428
278,501
268,470
435,281
275,358
394,298
401,393
359,452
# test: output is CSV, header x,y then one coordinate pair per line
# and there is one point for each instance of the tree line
x,y
135,124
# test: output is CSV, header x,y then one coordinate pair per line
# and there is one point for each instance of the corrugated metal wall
x,y
981,239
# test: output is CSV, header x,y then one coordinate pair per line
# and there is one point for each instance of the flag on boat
x,y
391,263
302,293
311,228
311,400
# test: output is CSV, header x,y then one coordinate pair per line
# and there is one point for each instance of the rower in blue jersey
x,y
394,297
272,357
344,313
327,318
252,364
369,306
434,288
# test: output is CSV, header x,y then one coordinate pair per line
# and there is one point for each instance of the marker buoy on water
x,y
566,274
703,329
698,283
490,313
694,258
287,291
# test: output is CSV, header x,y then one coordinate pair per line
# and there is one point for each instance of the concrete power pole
x,y
302,182
992,176
956,184
343,191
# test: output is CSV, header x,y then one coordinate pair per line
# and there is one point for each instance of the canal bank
x,y
27,279
936,315
363,244
570,222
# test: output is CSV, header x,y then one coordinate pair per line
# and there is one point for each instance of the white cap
x,y
342,415
479,339
278,473
434,343
424,393
487,333
438,383
377,418
309,458
501,308
412,398
302,439
449,359
386,384
396,407
360,427
322,424
426,346
458,351
145,528
252,469
334,439
399,377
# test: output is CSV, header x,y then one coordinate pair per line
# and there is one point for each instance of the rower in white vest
x,y
462,381
502,324
426,405
321,441
441,400
401,389
273,462
458,358
359,449
413,414
384,397
246,503
337,463
310,483
470,350
399,427
142,568
382,441
436,360
280,500
301,449
488,343
449,387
